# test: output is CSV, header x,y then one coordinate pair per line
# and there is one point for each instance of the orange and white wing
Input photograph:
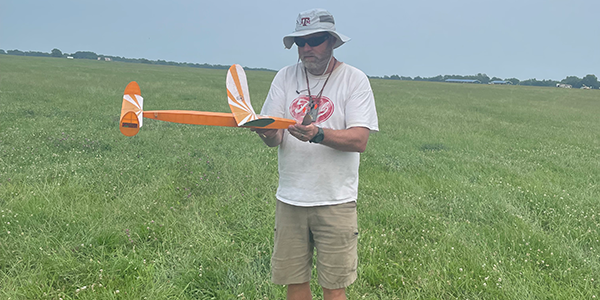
x,y
131,110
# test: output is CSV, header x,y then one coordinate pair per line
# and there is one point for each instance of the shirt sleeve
x,y
360,107
274,105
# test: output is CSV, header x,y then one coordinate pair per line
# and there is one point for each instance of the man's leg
x,y
335,232
300,292
337,294
291,263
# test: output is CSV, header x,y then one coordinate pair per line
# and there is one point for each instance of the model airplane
x,y
132,110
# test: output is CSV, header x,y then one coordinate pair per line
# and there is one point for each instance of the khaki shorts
x,y
332,230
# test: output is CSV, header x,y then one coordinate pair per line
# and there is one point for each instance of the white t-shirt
x,y
313,174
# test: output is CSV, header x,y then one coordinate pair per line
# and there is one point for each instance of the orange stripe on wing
x,y
242,109
238,86
134,98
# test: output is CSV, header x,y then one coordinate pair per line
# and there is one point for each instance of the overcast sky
x,y
542,39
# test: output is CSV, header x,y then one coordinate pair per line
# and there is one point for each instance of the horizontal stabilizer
x,y
262,122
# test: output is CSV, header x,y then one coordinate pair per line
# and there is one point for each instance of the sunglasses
x,y
313,42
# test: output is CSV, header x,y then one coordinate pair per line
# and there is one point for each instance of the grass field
x,y
467,191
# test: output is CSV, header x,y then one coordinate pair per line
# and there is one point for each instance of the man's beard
x,y
318,66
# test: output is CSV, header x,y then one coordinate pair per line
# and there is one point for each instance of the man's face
x,y
315,58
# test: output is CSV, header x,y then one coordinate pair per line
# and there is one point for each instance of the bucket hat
x,y
313,21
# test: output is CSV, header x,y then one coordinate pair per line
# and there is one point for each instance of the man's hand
x,y
265,133
303,133
271,137
353,139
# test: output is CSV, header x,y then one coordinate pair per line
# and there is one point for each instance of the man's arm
x,y
353,139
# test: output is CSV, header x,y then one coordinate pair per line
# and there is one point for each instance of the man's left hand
x,y
303,133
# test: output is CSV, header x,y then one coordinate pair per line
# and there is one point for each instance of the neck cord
x,y
325,83
320,78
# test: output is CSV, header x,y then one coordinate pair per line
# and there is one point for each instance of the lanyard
x,y
313,107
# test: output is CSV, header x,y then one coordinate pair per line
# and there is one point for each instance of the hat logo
x,y
305,21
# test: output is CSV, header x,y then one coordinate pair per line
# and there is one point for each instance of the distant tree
x,y
56,53
405,78
2,51
535,82
483,78
451,77
395,77
591,81
574,81
16,52
528,82
513,80
496,79
85,55
436,78
36,53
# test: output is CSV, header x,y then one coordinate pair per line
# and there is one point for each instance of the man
x,y
318,161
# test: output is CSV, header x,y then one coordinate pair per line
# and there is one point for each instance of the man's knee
x,y
299,291
335,294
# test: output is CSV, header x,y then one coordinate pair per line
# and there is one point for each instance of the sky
x,y
524,39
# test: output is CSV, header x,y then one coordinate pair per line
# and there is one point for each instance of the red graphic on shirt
x,y
299,108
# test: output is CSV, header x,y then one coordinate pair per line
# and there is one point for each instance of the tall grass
x,y
468,191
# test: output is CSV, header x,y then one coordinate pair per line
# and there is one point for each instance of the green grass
x,y
467,192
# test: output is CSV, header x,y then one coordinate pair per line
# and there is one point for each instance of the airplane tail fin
x,y
131,110
238,98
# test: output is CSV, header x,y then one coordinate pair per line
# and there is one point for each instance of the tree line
x,y
589,80
91,55
576,82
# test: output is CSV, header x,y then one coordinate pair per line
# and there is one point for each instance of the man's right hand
x,y
265,133
271,137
